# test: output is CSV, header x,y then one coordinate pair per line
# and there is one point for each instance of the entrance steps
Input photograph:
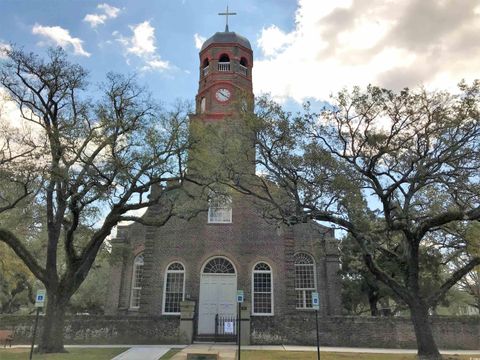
x,y
207,352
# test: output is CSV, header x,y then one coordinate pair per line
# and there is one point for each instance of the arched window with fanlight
x,y
137,276
262,292
174,288
305,280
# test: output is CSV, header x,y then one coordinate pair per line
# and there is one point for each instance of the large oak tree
x,y
90,156
397,171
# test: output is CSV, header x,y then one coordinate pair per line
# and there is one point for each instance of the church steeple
x,y
226,61
225,86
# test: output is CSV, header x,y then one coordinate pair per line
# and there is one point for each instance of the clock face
x,y
223,95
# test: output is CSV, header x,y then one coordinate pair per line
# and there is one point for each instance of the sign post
x,y
39,303
316,307
240,298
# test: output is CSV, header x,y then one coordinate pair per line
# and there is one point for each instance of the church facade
x,y
204,260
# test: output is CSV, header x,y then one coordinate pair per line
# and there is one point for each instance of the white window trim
x,y
271,289
134,275
228,221
304,289
215,257
165,286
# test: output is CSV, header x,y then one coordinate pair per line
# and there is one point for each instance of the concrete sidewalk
x,y
143,353
221,348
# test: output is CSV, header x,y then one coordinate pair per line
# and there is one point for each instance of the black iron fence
x,y
225,327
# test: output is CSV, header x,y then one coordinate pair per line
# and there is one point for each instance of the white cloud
x,y
273,40
199,40
156,64
143,40
142,45
109,12
337,44
3,47
61,37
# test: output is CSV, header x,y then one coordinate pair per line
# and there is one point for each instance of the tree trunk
x,y
427,348
373,302
51,340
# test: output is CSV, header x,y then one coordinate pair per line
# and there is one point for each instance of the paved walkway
x,y
143,353
227,352
144,350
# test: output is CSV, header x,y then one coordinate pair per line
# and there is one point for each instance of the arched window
x,y
220,209
137,276
224,63
243,66
304,280
205,67
224,58
174,288
203,103
219,265
262,294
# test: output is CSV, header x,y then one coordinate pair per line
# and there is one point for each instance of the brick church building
x,y
206,259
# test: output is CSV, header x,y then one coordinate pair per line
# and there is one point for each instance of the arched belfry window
x,y
262,294
174,288
224,63
219,265
305,280
205,64
244,66
220,209
137,275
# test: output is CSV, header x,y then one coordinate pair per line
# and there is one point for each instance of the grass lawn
x,y
170,354
73,354
305,355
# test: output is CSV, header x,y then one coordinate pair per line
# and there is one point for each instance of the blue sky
x,y
104,45
303,49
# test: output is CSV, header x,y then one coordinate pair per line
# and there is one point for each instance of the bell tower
x,y
225,86
226,61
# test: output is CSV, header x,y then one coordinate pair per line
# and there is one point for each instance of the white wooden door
x,y
217,296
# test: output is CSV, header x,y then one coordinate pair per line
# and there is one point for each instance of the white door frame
x,y
212,300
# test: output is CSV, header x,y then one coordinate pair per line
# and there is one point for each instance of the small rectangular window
x,y
220,210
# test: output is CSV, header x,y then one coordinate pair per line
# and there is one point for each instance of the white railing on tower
x,y
224,66
243,70
205,70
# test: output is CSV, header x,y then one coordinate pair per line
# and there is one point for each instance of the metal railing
x,y
224,66
225,326
242,70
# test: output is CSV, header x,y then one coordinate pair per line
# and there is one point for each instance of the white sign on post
x,y
40,298
240,296
228,327
315,301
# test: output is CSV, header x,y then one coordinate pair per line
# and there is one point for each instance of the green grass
x,y
306,355
73,354
170,354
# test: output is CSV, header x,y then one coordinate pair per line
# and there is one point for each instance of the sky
x,y
303,50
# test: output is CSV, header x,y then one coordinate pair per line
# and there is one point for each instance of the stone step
x,y
205,352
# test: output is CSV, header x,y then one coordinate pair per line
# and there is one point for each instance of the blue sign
x,y
40,299
315,301
240,297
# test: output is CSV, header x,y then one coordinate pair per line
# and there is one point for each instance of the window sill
x,y
262,314
171,314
